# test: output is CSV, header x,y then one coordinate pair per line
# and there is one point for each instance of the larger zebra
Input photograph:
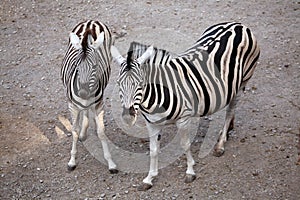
x,y
172,89
85,73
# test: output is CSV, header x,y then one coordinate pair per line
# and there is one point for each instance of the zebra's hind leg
x,y
99,117
229,125
186,145
75,116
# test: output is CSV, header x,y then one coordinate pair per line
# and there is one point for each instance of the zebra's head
x,y
87,63
130,81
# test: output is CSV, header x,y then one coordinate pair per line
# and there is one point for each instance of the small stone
x,y
6,87
102,195
255,173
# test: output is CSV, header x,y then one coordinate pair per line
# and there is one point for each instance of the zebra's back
x,y
203,79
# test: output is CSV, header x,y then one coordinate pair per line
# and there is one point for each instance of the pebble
x,y
255,173
6,87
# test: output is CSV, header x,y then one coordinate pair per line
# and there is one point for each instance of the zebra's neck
x,y
157,61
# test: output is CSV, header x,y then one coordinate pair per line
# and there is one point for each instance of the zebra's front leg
x,y
154,136
99,117
84,126
185,143
75,127
229,124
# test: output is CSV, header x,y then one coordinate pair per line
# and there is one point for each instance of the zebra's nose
x,y
128,111
83,93
131,110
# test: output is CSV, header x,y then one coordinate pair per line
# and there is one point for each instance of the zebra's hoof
x,y
71,168
144,187
113,171
82,138
218,152
189,178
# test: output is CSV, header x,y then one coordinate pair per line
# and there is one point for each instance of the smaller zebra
x,y
170,89
85,74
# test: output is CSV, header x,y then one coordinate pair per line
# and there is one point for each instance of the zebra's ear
x,y
96,44
116,55
149,52
75,41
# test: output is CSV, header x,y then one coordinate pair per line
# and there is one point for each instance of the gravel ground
x,y
261,155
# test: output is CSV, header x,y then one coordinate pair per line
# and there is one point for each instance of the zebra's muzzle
x,y
84,94
129,115
129,111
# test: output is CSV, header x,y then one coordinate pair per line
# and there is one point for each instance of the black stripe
x,y
237,39
250,67
201,82
250,46
220,52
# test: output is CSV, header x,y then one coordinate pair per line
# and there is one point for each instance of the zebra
x,y
170,89
85,74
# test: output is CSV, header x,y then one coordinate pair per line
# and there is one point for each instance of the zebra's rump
x,y
218,64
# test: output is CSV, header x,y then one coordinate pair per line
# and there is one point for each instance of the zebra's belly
x,y
157,119
167,117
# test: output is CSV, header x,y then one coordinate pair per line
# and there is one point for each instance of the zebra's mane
x,y
84,42
137,49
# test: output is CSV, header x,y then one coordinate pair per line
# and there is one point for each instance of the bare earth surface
x,y
261,154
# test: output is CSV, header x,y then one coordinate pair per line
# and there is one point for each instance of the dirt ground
x,y
261,155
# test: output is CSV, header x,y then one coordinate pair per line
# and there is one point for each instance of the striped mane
x,y
137,49
84,42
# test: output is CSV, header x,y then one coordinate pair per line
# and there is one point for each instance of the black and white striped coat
x,y
86,66
169,88
85,74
